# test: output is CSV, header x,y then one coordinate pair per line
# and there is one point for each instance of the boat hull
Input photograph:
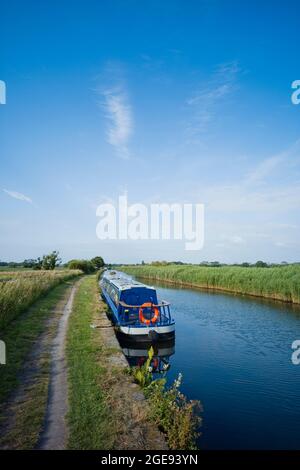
x,y
146,334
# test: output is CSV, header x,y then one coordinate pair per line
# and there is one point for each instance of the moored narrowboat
x,y
136,312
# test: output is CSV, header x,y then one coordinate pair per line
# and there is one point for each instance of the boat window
x,y
113,294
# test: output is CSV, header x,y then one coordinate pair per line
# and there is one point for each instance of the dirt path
x,y
55,431
23,412
35,414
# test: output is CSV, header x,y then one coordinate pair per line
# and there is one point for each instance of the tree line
x,y
52,260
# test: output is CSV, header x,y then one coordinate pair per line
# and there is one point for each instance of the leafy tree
x,y
38,264
98,262
12,264
159,263
29,263
84,265
261,264
50,261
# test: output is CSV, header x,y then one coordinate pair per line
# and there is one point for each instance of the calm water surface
x,y
235,356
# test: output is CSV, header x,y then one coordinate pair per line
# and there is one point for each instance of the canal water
x,y
235,356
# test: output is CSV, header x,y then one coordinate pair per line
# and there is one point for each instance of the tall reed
x,y
281,283
19,289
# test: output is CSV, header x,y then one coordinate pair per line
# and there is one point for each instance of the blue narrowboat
x,y
136,312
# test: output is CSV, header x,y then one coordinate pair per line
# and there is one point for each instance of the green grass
x,y
89,417
104,412
178,417
280,283
20,289
12,269
20,336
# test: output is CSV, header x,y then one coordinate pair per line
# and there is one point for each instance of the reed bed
x,y
20,289
279,283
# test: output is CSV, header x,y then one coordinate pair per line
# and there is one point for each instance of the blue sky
x,y
171,101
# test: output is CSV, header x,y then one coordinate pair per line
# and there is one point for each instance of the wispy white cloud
x,y
237,239
206,98
258,209
258,190
267,166
118,113
19,196
230,239
264,169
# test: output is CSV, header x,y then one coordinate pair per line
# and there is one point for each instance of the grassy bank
x,y
178,417
20,289
280,283
106,408
89,418
22,411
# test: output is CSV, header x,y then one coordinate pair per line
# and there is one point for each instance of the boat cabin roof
x,y
122,281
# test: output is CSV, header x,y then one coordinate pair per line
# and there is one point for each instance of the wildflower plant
x,y
178,417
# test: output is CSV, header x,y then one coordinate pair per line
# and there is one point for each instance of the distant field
x,y
6,268
280,283
20,288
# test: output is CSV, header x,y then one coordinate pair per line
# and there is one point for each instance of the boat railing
x,y
163,307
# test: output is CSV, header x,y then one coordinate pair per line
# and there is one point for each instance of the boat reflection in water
x,y
137,355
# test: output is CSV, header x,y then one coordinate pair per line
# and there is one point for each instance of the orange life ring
x,y
145,320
